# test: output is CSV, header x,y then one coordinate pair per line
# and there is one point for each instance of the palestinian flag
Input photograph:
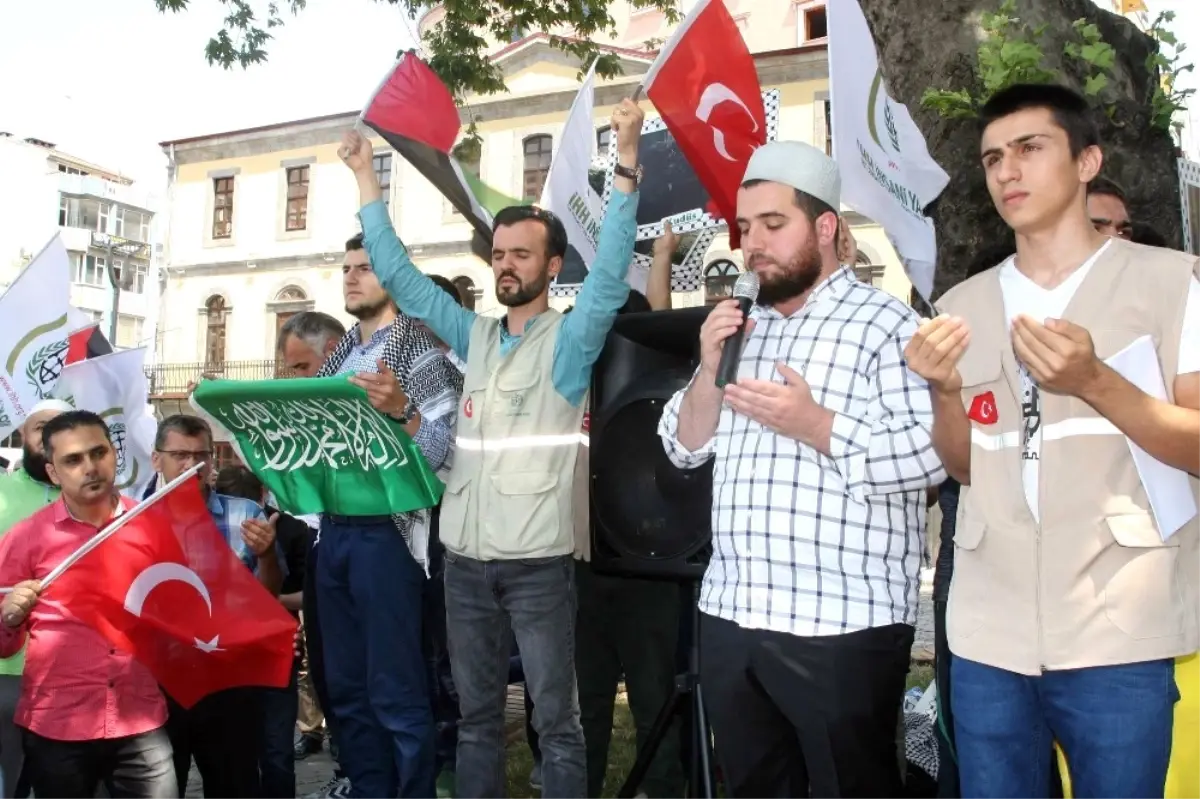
x,y
86,343
415,113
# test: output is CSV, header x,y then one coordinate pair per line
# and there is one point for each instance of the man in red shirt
x,y
89,712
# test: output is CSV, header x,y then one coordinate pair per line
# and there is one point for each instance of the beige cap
x,y
799,165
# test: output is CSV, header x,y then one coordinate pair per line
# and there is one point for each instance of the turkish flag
x,y
983,408
705,87
168,589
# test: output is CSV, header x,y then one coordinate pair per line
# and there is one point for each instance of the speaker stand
x,y
687,686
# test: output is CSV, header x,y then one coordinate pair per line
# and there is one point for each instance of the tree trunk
x,y
926,44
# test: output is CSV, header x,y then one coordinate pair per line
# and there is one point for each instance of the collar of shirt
x,y
62,513
507,339
377,338
831,288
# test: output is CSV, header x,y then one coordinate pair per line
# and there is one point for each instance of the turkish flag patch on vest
x,y
587,421
983,408
468,408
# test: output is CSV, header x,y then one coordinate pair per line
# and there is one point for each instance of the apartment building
x,y
103,218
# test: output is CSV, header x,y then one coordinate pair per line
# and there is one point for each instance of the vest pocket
x,y
452,525
1142,593
969,584
523,518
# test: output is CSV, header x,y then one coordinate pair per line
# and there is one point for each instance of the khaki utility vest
x,y
1094,584
509,492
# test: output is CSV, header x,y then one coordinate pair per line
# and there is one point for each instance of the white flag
x,y
567,192
887,173
34,324
114,386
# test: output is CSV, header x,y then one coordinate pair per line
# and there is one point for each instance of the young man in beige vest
x,y
1068,601
507,520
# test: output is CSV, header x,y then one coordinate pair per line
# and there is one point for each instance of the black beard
x,y
34,464
524,294
367,311
800,275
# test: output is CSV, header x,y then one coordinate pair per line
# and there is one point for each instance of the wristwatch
x,y
634,174
406,416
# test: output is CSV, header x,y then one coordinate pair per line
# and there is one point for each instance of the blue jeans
x,y
1113,723
276,758
369,590
535,599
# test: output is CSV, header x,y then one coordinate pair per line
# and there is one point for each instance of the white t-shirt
x,y
1023,296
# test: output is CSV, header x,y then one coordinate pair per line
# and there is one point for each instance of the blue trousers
x,y
1113,722
369,590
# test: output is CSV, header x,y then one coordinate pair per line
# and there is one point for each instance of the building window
x,y
222,227
603,137
88,270
129,331
297,198
131,224
287,296
80,213
827,110
466,291
813,24
137,282
383,173
102,223
214,338
867,272
719,277
63,206
539,150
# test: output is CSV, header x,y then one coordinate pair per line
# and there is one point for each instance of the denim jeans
x,y
1113,723
276,756
370,591
535,599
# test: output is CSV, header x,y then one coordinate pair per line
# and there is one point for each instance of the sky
x,y
106,80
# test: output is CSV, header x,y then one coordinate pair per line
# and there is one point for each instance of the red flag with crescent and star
x,y
169,590
705,87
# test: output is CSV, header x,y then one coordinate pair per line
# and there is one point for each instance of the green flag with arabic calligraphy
x,y
319,446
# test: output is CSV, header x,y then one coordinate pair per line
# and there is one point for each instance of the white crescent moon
x,y
713,95
159,573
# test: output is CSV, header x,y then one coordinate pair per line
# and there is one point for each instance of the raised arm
x,y
658,284
414,293
604,290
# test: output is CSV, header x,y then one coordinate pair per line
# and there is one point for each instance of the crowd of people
x,y
1060,604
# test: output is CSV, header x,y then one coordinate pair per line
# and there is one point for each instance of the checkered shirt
x,y
805,543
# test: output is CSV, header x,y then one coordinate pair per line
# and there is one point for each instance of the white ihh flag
x,y
887,173
114,387
34,325
567,192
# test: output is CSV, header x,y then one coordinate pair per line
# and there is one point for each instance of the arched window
x,y
539,150
719,277
466,291
214,338
867,272
288,294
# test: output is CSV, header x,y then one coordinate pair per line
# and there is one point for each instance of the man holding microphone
x,y
822,444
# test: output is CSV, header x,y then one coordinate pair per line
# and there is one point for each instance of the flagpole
x,y
112,528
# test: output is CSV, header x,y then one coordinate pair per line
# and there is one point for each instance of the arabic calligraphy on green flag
x,y
319,446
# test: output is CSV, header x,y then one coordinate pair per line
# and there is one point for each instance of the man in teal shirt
x,y
514,570
22,493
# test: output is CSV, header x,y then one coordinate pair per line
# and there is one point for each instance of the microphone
x,y
745,291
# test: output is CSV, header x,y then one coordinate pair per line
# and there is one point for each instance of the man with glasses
x,y
221,730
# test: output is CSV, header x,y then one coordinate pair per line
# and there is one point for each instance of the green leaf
x,y
1095,84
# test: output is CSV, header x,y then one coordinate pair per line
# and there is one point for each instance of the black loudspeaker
x,y
648,517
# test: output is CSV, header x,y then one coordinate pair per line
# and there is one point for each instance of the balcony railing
x,y
175,378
